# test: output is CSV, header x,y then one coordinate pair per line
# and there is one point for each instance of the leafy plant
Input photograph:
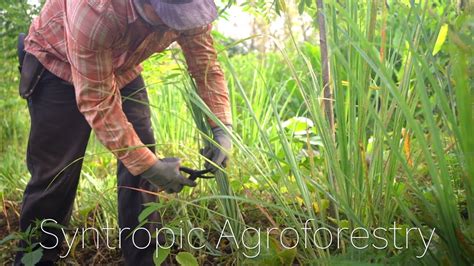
x,y
32,252
186,259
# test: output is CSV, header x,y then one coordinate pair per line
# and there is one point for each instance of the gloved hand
x,y
165,175
218,154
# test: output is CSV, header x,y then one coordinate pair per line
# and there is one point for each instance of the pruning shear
x,y
195,174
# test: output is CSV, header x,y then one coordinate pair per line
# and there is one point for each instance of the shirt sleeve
x,y
201,58
97,95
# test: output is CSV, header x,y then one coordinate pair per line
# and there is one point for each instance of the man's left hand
x,y
218,154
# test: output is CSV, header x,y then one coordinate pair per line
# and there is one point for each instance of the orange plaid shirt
x,y
98,45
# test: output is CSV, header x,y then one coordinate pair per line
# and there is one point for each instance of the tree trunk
x,y
327,101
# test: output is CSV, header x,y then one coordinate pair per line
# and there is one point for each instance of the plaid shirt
x,y
98,45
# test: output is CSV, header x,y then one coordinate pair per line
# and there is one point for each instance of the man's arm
x,y
201,58
89,38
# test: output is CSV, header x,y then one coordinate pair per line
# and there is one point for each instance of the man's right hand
x,y
165,175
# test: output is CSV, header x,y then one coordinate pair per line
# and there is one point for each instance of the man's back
x,y
95,24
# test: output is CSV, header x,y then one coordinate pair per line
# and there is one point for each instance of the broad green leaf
x,y
443,32
160,256
31,258
299,125
186,259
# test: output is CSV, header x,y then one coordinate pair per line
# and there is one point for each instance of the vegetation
x,y
400,153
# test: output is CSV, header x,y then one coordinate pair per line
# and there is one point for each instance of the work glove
x,y
218,154
165,175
